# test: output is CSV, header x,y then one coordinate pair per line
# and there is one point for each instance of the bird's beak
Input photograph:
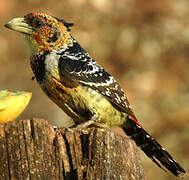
x,y
19,24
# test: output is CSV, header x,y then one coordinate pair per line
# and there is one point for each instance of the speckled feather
x,y
77,62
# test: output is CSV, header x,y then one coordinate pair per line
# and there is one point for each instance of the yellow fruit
x,y
12,104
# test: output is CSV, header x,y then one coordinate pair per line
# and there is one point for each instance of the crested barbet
x,y
80,86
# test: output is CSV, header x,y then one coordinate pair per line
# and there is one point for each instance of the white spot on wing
x,y
148,136
106,83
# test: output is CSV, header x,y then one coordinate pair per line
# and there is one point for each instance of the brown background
x,y
143,43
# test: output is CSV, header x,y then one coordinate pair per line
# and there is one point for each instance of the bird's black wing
x,y
82,68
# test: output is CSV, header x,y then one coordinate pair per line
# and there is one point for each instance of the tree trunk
x,y
31,149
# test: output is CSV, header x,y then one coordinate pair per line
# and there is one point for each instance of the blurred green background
x,y
143,43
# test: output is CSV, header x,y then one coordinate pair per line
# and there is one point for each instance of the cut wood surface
x,y
32,149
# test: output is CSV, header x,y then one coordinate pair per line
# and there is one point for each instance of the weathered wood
x,y
31,149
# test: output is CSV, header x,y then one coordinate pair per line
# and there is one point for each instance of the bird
x,y
80,86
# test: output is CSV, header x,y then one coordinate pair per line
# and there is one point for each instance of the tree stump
x,y
31,149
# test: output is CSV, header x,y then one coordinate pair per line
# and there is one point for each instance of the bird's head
x,y
43,32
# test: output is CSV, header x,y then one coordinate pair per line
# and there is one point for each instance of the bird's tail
x,y
151,147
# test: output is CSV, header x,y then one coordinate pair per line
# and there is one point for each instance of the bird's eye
x,y
37,22
54,37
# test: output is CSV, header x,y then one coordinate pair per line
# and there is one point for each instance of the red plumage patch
x,y
135,121
37,37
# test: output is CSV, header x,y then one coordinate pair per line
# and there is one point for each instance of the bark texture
x,y
31,149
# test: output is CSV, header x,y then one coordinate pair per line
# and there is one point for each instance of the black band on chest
x,y
38,66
